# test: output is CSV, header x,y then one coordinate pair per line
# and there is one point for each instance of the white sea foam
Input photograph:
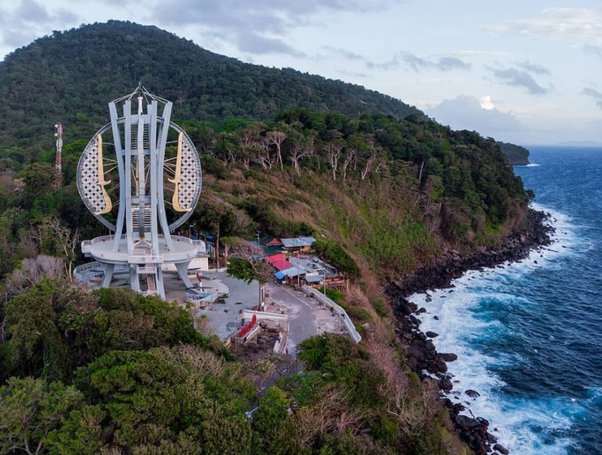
x,y
514,422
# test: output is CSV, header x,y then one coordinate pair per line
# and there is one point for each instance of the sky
x,y
526,72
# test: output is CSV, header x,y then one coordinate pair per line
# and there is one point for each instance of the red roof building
x,y
279,261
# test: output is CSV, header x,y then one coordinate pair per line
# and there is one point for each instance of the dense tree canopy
x,y
114,372
70,76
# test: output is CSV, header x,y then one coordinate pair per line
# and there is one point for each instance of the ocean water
x,y
528,335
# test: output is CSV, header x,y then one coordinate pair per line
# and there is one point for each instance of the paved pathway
x,y
224,318
306,317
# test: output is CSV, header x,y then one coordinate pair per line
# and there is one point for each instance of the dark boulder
x,y
472,393
445,384
448,357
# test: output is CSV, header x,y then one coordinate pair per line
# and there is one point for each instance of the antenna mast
x,y
58,160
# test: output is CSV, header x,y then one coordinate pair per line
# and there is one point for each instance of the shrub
x,y
334,254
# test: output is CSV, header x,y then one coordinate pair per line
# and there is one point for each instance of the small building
x,y
298,244
313,279
279,261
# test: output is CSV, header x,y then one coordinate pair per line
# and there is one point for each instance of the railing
x,y
247,314
81,269
177,238
337,309
145,259
201,248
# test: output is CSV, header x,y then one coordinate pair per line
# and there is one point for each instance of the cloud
x,y
258,26
417,63
594,50
451,63
357,75
30,11
30,19
344,53
256,44
595,94
486,102
518,78
534,68
466,112
575,24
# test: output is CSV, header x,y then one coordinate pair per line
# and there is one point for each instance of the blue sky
x,y
521,71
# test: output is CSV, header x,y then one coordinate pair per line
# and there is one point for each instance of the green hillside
x,y
383,188
70,76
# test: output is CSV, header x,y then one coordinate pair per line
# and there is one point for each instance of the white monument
x,y
140,176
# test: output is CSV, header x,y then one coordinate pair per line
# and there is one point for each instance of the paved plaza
x,y
224,318
307,317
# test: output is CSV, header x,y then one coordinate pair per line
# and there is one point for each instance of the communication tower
x,y
58,159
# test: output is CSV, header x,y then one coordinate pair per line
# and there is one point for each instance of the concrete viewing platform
x,y
102,249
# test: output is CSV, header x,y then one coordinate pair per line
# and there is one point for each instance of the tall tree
x,y
30,410
276,138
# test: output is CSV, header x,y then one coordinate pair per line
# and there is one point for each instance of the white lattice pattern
x,y
191,177
88,185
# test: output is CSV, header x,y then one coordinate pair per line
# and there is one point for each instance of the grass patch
x,y
358,314
336,296
380,308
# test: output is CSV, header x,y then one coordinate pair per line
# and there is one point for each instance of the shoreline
x,y
418,347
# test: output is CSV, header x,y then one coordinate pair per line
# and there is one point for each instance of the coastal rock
x,y
448,357
445,384
475,433
491,438
472,393
431,334
441,365
467,422
501,449
458,408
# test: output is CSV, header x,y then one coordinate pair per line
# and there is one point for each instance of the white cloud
x,y
581,25
468,113
486,102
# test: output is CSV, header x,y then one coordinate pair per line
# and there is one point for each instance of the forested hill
x,y
516,154
71,75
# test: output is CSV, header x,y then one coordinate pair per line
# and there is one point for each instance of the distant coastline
x,y
517,155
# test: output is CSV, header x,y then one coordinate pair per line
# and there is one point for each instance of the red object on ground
x,y
279,261
247,328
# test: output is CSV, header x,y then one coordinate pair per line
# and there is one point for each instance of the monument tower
x,y
140,176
